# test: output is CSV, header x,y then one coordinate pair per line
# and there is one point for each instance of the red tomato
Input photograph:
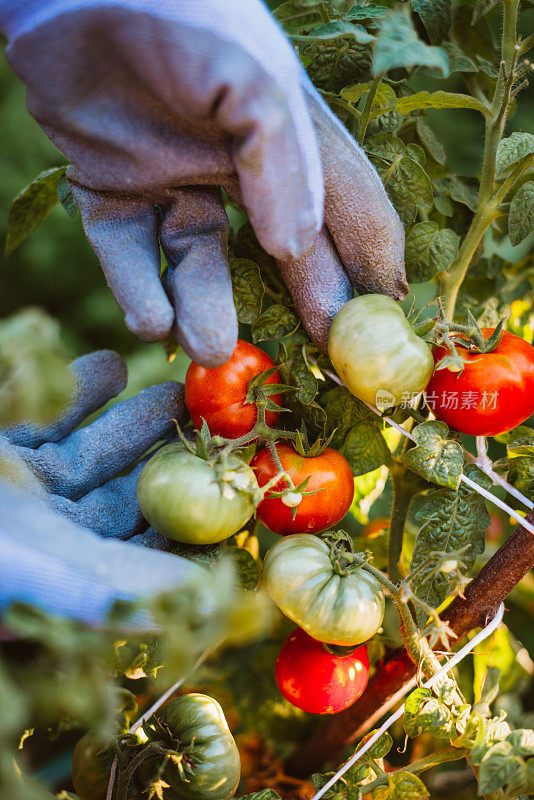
x,y
317,681
493,393
330,473
218,395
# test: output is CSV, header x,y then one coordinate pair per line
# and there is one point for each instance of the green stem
x,y
366,113
486,211
428,762
403,494
416,645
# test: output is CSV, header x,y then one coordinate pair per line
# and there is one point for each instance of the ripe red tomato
x,y
218,395
329,472
493,394
317,681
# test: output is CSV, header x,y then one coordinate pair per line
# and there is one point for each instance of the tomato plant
x,y
219,395
207,765
317,681
330,478
330,602
376,352
91,768
192,500
492,394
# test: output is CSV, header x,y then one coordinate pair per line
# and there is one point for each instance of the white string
x,y
480,489
455,659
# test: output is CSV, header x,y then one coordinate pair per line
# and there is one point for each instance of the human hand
x,y
50,555
161,103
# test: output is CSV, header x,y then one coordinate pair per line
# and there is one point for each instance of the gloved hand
x,y
158,102
51,559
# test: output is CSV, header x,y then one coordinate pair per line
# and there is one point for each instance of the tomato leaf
x,y
497,767
513,149
435,457
265,794
435,16
31,206
483,7
360,11
397,45
521,214
384,99
337,64
430,141
303,377
66,197
451,521
459,190
440,99
248,289
343,411
365,448
429,250
402,786
404,178
247,569
275,323
423,711
334,30
381,747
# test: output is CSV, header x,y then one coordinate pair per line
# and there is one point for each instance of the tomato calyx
x,y
446,333
258,391
340,650
302,444
343,555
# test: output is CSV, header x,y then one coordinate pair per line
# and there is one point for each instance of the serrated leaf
x,y
294,15
381,747
248,289
402,786
459,190
435,16
482,7
440,99
66,197
360,11
424,712
512,149
405,180
275,323
335,30
365,448
397,45
429,250
246,567
31,206
451,521
521,214
339,63
383,101
303,377
435,457
497,767
343,411
430,141
265,794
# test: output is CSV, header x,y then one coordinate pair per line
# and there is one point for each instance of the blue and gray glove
x,y
54,560
160,103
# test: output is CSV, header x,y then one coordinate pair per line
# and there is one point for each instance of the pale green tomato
x,y
376,353
184,497
300,578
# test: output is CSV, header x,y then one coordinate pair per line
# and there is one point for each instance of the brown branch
x,y
482,598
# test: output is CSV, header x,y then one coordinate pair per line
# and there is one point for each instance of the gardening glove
x,y
158,104
74,488
82,469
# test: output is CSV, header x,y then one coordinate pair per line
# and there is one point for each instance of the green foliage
x,y
513,149
429,250
436,16
397,43
248,289
521,215
32,205
452,521
275,323
35,380
435,457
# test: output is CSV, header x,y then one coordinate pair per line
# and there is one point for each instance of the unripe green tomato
x,y
376,353
181,495
299,576
90,773
211,763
